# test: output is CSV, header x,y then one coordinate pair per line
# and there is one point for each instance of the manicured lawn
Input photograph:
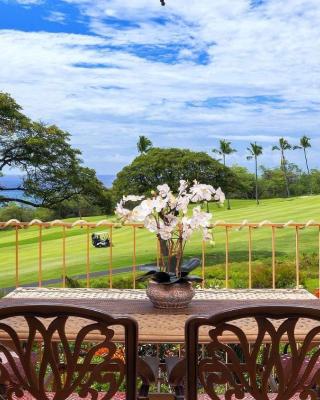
x,y
276,210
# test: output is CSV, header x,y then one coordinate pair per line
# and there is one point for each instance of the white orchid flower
x,y
172,200
165,232
147,205
144,209
182,203
207,235
172,220
138,214
159,203
201,192
163,190
151,224
199,218
183,187
187,231
166,215
121,211
219,196
132,197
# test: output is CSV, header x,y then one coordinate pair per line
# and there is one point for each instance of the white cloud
x,y
269,51
24,2
56,16
252,138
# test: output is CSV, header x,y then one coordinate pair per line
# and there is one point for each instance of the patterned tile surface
x,y
135,294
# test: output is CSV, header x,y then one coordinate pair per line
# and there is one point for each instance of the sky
x,y
185,75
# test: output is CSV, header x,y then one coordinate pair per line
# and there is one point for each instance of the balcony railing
x,y
224,228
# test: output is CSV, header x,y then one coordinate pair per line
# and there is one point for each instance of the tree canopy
x,y
160,166
51,168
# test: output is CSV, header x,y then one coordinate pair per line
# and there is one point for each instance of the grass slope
x,y
299,209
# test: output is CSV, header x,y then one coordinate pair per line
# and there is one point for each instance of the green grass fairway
x,y
276,210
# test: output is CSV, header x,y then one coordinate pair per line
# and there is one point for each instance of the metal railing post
x,y
88,258
134,258
227,257
40,257
273,244
110,258
297,258
17,255
203,264
250,256
64,272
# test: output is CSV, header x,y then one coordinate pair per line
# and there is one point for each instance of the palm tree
x,y
224,150
283,147
144,144
255,151
305,144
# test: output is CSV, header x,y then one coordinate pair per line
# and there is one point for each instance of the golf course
x,y
299,209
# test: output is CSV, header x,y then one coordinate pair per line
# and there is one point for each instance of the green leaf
x,y
190,265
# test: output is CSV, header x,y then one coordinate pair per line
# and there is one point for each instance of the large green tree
x,y
51,168
304,145
284,146
246,183
160,166
254,152
224,150
272,184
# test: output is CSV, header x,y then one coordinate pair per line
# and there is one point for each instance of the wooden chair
x,y
90,366
244,371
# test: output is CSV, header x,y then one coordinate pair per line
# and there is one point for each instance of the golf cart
x,y
100,239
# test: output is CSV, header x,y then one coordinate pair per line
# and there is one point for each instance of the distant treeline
x,y
56,183
271,183
169,165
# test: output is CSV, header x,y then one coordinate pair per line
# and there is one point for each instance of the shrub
x,y
24,214
286,275
118,282
73,283
262,277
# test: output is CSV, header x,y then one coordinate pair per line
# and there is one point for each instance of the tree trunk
x,y
305,157
284,169
307,165
227,196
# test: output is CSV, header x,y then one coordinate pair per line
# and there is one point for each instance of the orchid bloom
x,y
166,214
132,198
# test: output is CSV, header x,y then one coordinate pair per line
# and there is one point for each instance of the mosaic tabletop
x,y
159,326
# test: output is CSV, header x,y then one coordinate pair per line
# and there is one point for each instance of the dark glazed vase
x,y
177,295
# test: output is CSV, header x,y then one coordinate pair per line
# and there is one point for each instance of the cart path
x,y
97,274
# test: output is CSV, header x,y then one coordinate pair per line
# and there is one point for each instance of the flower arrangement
x,y
166,215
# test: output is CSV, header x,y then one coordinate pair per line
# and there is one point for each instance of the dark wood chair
x,y
176,373
244,354
90,365
148,372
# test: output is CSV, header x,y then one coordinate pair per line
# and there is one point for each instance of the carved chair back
x,y
90,365
243,355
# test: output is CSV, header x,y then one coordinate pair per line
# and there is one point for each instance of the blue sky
x,y
184,75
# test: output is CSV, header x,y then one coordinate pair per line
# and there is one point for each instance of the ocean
x,y
15,181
